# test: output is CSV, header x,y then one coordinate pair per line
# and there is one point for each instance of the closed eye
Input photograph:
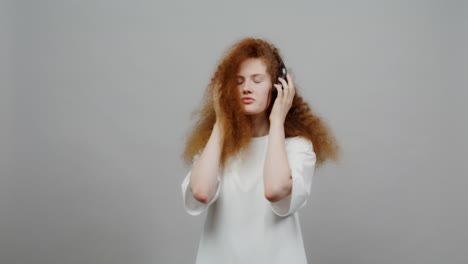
x,y
258,78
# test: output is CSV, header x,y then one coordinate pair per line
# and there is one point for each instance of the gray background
x,y
96,99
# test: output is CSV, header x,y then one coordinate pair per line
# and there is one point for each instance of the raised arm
x,y
277,172
204,176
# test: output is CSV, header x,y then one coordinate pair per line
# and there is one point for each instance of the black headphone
x,y
282,74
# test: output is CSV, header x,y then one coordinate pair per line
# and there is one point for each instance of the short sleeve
x,y
302,159
192,205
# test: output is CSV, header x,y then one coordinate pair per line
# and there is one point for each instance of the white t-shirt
x,y
241,225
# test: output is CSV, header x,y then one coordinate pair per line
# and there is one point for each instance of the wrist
x,y
276,126
218,127
276,122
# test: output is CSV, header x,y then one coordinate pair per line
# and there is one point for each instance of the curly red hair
x,y
300,120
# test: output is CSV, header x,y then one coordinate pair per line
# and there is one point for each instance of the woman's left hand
x,y
283,101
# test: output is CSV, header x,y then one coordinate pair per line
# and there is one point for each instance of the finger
x,y
279,90
292,87
285,91
215,100
290,81
283,82
285,86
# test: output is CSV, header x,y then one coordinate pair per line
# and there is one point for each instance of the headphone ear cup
x,y
274,92
283,72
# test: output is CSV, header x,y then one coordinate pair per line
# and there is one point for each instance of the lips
x,y
247,100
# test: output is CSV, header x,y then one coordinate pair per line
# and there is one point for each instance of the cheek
x,y
266,91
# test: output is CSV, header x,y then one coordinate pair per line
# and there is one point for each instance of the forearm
x,y
277,174
205,171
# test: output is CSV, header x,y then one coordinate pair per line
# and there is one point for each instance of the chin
x,y
252,112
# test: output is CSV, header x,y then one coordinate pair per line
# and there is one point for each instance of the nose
x,y
246,87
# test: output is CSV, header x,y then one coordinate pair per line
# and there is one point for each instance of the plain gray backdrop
x,y
95,104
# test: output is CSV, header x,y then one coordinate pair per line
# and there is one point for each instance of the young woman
x,y
253,154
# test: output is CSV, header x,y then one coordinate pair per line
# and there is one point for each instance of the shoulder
x,y
298,143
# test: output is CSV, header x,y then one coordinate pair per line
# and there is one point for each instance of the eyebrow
x,y
253,75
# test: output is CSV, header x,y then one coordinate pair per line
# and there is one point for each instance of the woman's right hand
x,y
216,105
217,108
206,170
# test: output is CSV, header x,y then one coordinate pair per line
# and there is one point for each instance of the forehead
x,y
252,66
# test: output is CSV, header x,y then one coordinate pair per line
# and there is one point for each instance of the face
x,y
254,84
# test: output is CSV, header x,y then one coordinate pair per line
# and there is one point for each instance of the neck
x,y
260,125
